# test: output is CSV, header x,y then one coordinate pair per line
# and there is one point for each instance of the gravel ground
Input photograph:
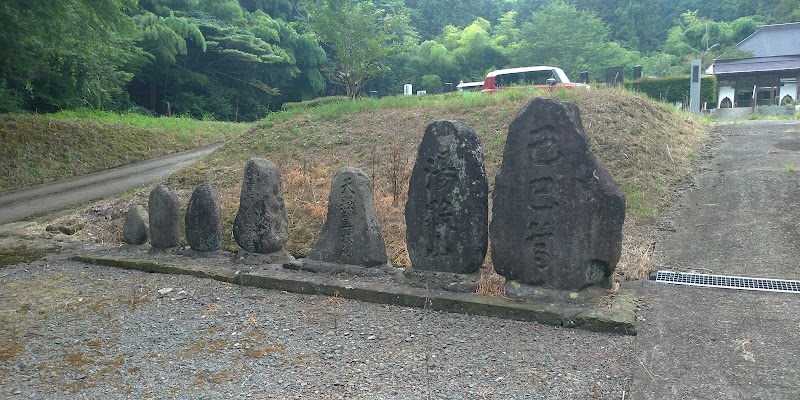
x,y
78,331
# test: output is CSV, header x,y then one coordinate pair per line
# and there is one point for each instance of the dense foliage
x,y
672,89
239,59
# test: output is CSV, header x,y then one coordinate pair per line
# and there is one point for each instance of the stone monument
x,y
165,211
136,228
557,215
447,209
261,225
351,233
203,220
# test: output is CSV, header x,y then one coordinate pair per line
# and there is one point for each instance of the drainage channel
x,y
728,282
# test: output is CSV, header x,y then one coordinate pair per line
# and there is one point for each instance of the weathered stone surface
x,y
165,211
557,215
136,228
203,220
351,233
447,209
261,225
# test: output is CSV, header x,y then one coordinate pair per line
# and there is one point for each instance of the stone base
x,y
448,281
189,252
163,251
134,247
255,259
317,266
615,314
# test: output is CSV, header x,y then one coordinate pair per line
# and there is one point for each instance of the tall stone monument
x,y
261,225
165,214
351,233
447,209
203,220
557,215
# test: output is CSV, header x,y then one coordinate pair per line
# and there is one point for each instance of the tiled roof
x,y
763,64
773,40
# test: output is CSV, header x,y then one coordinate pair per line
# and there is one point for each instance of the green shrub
x,y
674,88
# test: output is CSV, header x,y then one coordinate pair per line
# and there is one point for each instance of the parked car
x,y
470,86
539,77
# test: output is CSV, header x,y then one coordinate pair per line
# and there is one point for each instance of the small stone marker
x,y
136,228
165,227
261,225
351,233
557,215
203,220
447,209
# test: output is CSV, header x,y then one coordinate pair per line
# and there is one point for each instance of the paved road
x,y
15,206
740,217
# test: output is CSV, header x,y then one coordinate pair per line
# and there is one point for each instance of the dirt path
x,y
741,217
15,206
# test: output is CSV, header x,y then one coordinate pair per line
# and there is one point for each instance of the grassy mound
x,y
38,149
646,146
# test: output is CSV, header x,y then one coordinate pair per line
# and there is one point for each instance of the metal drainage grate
x,y
728,282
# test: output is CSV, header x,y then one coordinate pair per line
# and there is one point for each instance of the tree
x,y
636,24
432,83
283,9
431,16
65,54
506,33
214,58
694,36
164,39
477,53
361,37
561,36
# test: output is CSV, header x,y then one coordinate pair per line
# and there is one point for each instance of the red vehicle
x,y
542,77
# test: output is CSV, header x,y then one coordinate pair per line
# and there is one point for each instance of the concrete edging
x,y
619,319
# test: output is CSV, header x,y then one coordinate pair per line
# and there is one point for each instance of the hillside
x,y
39,149
646,146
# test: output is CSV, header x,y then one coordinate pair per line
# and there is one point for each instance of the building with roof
x,y
768,76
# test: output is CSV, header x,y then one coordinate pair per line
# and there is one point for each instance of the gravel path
x,y
77,331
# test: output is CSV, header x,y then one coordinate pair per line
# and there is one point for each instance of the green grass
x,y
758,116
184,128
334,111
637,203
44,148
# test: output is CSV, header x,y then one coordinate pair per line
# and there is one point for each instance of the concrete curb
x,y
619,319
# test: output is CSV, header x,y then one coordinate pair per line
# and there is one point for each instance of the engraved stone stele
x,y
136,228
165,227
203,220
556,215
351,233
447,208
261,225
